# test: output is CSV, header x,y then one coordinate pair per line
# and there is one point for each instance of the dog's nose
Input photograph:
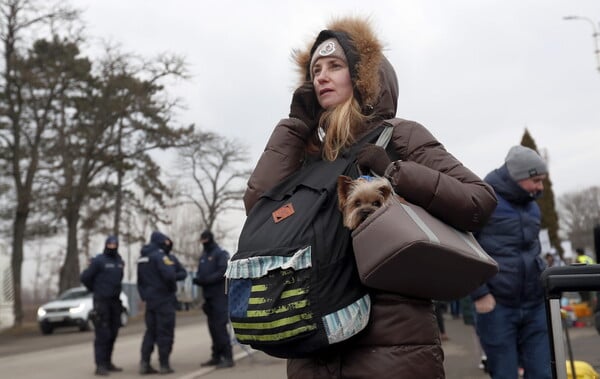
x,y
365,213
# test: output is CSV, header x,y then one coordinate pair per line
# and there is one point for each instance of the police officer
x,y
103,278
157,274
211,277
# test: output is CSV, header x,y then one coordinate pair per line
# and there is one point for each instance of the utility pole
x,y
595,36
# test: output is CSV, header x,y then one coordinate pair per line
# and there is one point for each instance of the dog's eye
x,y
377,203
357,203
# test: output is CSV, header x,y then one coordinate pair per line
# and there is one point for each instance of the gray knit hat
x,y
524,163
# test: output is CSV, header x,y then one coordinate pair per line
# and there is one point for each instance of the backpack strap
x,y
385,136
368,138
384,140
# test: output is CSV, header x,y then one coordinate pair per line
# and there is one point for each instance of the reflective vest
x,y
585,259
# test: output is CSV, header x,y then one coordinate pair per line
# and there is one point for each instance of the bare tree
x,y
105,134
184,232
579,213
47,264
139,217
218,170
21,135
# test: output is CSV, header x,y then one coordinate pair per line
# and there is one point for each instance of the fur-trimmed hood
x,y
373,77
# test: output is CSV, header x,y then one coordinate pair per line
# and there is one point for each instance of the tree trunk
x,y
119,195
69,272
118,203
17,261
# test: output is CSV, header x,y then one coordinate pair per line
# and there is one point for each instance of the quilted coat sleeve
x,y
282,156
431,177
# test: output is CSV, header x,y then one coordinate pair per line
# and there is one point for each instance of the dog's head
x,y
360,197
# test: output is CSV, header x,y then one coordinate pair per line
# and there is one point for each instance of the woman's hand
x,y
305,106
374,158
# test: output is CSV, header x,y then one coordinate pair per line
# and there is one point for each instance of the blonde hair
x,y
341,125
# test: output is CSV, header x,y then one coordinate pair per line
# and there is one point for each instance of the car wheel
x,y
46,328
124,318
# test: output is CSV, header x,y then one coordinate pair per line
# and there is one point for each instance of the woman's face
x,y
331,78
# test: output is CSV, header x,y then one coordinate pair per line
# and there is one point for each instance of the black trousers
x,y
160,330
217,317
106,327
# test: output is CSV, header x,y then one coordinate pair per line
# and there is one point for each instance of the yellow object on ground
x,y
582,309
583,370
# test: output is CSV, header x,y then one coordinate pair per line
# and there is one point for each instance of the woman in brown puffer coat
x,y
350,88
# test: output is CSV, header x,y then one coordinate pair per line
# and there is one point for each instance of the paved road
x,y
74,359
462,356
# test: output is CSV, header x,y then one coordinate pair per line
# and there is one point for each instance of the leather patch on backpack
x,y
284,212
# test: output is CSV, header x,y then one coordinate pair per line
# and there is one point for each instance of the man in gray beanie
x,y
524,163
510,313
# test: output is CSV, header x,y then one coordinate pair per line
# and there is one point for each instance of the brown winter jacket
x,y
402,338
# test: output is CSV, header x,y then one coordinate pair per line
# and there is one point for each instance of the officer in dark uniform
x,y
103,278
157,274
211,277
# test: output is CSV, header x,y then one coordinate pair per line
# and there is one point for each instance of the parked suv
x,y
72,308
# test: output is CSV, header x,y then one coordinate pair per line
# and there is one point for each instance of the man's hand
x,y
485,304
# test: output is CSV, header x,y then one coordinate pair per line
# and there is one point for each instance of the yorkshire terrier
x,y
360,197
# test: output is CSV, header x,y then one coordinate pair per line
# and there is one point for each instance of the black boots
x,y
165,369
102,371
211,362
225,363
219,363
113,368
146,369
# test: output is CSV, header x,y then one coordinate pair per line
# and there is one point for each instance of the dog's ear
x,y
385,189
343,187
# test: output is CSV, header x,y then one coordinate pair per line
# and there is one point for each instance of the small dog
x,y
361,197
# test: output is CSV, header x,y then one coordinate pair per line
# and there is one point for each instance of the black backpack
x,y
293,284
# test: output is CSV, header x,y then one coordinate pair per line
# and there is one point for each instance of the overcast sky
x,y
475,73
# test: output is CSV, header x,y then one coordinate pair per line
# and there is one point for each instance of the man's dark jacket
x,y
511,237
211,270
103,276
158,273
